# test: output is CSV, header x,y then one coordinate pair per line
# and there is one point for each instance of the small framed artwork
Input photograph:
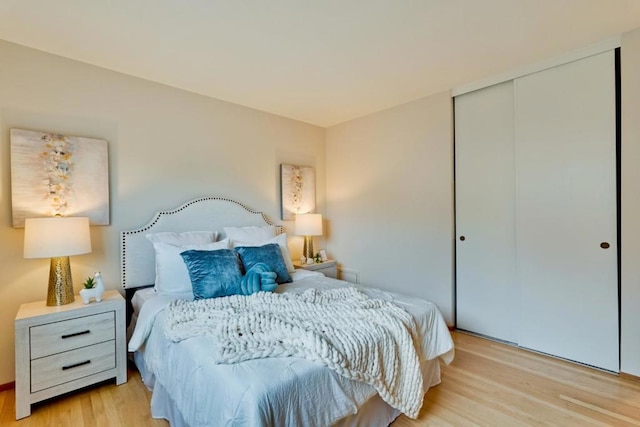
x,y
323,255
297,190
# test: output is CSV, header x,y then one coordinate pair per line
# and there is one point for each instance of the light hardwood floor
x,y
492,384
488,384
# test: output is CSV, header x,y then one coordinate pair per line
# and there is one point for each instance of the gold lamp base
x,y
60,284
307,249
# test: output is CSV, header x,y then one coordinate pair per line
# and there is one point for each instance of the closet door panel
x,y
566,207
486,291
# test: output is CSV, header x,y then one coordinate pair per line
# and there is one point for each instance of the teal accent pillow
x,y
269,254
213,273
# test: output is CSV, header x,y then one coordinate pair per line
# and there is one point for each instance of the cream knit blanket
x,y
360,338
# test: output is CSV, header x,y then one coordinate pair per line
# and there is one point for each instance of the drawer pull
x,y
76,334
75,365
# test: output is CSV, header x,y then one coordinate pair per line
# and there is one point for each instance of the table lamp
x,y
308,225
57,238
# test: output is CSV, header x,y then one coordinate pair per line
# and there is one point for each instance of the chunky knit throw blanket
x,y
360,338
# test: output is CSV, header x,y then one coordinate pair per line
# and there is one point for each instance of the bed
x,y
190,388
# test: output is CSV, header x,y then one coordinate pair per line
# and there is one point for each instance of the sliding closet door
x,y
566,187
486,293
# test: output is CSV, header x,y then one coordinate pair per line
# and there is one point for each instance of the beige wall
x,y
166,146
390,199
630,61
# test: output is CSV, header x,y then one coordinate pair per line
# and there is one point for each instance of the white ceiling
x,y
318,61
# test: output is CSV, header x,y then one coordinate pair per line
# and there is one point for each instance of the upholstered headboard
x,y
137,265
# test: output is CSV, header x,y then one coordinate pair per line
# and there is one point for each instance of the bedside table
x,y
328,268
63,348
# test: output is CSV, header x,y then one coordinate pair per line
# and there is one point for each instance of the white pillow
x,y
185,238
280,239
250,234
172,276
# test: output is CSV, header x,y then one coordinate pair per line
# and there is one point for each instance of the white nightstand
x,y
63,348
328,268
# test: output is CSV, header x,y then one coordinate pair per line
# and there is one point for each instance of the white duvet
x,y
276,391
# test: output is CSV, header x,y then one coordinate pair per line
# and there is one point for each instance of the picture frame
x,y
323,255
58,175
297,190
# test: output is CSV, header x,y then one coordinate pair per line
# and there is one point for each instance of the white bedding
x,y
277,391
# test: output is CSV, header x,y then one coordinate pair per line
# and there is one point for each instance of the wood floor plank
x,y
488,384
574,375
504,398
104,404
531,408
532,384
534,389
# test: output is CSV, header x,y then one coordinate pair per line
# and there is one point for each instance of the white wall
x,y
390,199
166,146
630,61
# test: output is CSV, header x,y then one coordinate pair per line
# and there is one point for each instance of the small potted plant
x,y
89,283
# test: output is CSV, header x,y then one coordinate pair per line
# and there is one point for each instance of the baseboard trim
x,y
8,386
626,376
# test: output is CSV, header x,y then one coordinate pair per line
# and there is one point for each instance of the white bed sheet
x,y
140,297
275,391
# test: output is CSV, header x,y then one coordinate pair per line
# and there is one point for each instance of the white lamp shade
x,y
308,224
56,237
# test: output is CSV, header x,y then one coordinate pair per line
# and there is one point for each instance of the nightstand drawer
x,y
60,368
58,337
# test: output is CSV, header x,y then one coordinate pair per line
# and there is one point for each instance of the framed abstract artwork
x,y
55,174
297,190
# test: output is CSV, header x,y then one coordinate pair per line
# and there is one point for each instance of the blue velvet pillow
x,y
213,273
269,254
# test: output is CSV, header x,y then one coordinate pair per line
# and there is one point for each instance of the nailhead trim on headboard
x,y
158,215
